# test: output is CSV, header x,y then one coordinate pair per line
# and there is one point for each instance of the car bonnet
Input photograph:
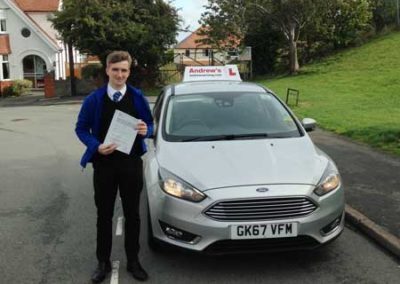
x,y
216,164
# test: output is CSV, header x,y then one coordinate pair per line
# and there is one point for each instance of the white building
x,y
29,47
192,51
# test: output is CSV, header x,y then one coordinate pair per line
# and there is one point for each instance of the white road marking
x,y
118,231
115,270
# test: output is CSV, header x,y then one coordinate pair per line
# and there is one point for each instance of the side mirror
x,y
309,124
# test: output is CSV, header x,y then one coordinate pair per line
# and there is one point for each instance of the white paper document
x,y
122,131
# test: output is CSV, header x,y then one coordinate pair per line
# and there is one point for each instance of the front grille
x,y
261,209
264,245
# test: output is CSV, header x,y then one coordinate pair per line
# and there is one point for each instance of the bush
x,y
92,71
8,91
17,88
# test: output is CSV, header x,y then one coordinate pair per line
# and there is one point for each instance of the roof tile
x,y
38,5
191,41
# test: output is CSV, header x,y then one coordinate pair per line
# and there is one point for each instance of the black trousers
x,y
108,178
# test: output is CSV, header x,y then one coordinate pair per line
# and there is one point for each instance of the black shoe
x,y
103,268
137,270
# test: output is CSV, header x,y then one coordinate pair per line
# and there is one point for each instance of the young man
x,y
114,170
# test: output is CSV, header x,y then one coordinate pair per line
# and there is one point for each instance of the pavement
x,y
371,177
37,98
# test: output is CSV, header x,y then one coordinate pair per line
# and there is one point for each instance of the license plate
x,y
263,231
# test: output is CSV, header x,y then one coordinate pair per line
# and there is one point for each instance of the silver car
x,y
231,169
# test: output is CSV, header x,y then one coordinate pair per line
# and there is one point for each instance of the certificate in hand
x,y
122,131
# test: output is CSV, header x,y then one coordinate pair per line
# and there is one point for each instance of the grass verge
x,y
355,93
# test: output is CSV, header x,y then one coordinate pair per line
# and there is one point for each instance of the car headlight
x,y
173,185
329,181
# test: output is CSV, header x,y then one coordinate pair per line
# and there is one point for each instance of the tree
x,y
309,26
350,19
144,28
342,21
266,45
338,24
289,17
385,12
225,22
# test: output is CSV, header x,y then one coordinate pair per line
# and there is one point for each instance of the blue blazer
x,y
88,125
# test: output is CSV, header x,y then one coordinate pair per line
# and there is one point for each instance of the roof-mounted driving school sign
x,y
211,73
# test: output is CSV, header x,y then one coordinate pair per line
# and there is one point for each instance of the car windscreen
x,y
227,116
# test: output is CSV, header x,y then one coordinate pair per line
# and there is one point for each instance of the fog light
x,y
178,234
173,232
332,226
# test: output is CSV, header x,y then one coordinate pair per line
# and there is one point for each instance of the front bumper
x,y
171,216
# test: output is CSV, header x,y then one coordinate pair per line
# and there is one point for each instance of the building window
x,y
3,26
206,52
25,32
4,67
187,52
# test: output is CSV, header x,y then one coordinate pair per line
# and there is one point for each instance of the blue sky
x,y
190,12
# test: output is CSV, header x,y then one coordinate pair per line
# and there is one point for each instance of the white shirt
x,y
111,91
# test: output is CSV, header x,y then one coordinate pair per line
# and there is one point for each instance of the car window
x,y
157,107
241,114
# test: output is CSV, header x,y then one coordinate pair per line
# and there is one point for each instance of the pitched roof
x,y
24,16
191,41
38,5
